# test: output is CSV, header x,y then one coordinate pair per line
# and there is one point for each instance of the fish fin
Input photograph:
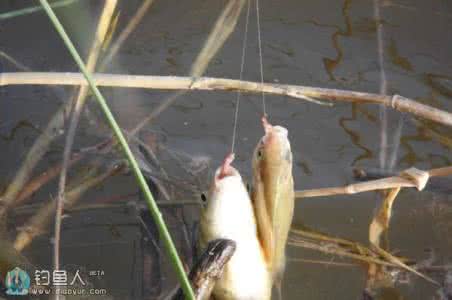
x,y
263,224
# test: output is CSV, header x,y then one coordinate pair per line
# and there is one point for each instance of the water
x,y
303,43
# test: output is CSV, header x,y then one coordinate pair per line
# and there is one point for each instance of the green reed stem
x,y
156,214
33,9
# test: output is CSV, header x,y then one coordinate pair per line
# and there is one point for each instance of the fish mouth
x,y
274,133
226,169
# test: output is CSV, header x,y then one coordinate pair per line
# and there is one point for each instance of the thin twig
x,y
397,102
383,85
104,22
33,9
14,62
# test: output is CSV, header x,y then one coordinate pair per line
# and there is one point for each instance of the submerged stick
x,y
41,144
208,269
37,182
34,155
397,102
157,216
372,185
42,219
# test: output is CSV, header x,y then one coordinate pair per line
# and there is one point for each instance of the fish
x,y
229,214
273,196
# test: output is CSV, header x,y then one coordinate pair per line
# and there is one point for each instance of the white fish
x,y
229,214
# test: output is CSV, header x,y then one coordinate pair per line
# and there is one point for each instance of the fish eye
x,y
203,198
259,153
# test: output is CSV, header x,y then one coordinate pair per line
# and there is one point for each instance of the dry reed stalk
x,y
397,102
379,184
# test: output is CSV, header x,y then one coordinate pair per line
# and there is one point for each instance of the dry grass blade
x,y
130,27
104,22
32,158
331,245
326,263
153,208
223,28
336,250
391,258
380,222
52,131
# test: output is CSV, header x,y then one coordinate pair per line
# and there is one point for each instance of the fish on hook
x,y
229,214
273,196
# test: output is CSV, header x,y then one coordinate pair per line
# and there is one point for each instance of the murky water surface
x,y
316,43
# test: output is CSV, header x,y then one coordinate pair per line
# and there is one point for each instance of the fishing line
x,y
259,40
242,65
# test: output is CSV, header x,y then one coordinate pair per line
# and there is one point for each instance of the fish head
x,y
273,156
225,175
